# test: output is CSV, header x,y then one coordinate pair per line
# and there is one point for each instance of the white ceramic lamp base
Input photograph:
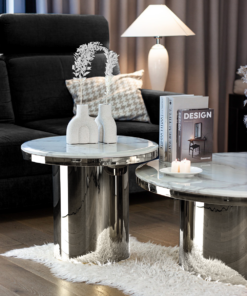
x,y
158,65
82,128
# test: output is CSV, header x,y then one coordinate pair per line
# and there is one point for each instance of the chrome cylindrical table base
x,y
210,231
91,211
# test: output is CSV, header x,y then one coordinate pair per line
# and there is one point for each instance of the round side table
x,y
213,208
91,192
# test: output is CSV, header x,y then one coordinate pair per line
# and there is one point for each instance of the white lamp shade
x,y
157,20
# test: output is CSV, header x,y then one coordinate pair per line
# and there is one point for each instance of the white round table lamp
x,y
157,21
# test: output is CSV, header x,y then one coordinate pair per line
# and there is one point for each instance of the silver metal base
x,y
91,211
214,231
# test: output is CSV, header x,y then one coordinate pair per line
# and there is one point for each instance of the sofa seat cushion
x,y
142,130
29,191
56,125
125,128
11,160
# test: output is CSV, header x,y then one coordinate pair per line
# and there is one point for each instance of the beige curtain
x,y
204,64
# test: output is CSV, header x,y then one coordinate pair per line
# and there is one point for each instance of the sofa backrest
x,y
38,50
6,109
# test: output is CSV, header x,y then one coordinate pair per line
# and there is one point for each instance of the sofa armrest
x,y
151,99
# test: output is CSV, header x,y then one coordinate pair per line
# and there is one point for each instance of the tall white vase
x,y
82,128
107,127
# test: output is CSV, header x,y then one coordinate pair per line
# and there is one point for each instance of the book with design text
x,y
195,134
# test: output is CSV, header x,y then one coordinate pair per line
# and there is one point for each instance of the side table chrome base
x,y
215,232
91,211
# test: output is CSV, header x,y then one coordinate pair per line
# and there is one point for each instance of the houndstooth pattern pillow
x,y
125,96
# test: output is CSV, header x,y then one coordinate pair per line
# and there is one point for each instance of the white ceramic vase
x,y
107,127
82,128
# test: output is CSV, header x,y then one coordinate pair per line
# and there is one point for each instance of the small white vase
x,y
82,128
107,127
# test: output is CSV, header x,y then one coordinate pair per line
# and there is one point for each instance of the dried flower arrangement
x,y
111,62
83,58
242,71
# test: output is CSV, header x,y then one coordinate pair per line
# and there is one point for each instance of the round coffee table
x,y
213,208
91,192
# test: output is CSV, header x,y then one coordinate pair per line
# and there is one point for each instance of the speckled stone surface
x,y
57,147
226,176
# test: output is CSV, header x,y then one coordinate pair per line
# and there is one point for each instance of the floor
x,y
152,218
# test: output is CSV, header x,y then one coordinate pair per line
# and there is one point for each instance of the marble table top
x,y
225,176
55,150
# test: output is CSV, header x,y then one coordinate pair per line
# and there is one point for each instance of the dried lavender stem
x,y
81,89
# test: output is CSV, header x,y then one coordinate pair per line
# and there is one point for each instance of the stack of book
x,y
186,128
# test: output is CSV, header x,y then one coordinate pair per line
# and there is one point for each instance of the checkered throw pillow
x,y
125,96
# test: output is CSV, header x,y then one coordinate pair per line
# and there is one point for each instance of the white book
x,y
163,128
174,104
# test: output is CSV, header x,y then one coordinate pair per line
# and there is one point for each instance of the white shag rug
x,y
150,270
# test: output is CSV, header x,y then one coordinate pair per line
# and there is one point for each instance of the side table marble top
x,y
213,211
54,150
224,179
91,193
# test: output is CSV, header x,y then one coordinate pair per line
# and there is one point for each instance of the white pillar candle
x,y
175,166
185,166
132,158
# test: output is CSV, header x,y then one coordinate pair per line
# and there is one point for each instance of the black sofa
x,y
37,55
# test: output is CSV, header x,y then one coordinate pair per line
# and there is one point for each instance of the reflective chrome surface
x,y
91,211
211,231
82,162
217,200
